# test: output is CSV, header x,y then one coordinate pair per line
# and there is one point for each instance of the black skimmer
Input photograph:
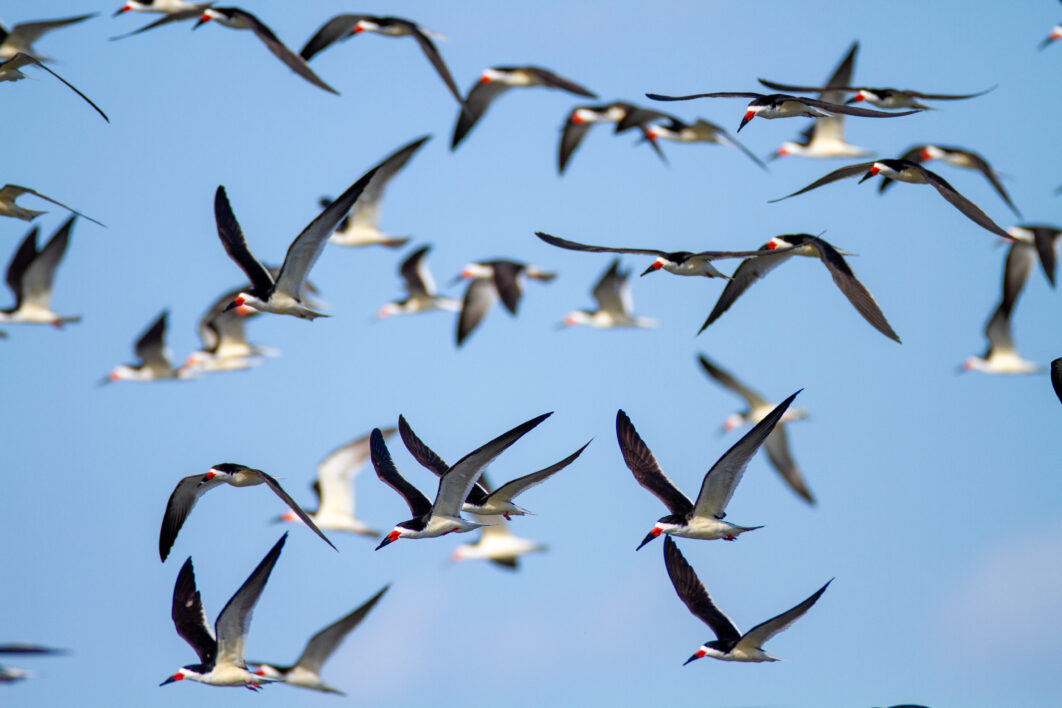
x,y
487,281
238,18
306,673
881,97
1043,238
495,81
9,71
444,515
283,296
703,519
20,37
956,157
224,339
30,275
781,105
496,544
190,488
420,289
10,674
907,171
699,131
757,408
221,652
624,115
344,26
480,500
171,11
781,248
825,137
1002,357
1056,377
677,262
334,488
615,308
154,364
730,644
361,227
10,192
1054,36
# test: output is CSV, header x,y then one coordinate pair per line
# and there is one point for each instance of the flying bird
x,y
1054,36
9,71
757,408
361,227
496,544
154,361
421,295
189,489
495,81
220,653
334,488
444,515
615,307
704,518
345,26
781,105
781,248
489,280
30,275
171,11
283,296
700,131
10,674
224,339
237,18
1056,377
306,673
1043,237
677,262
956,157
10,192
914,173
20,38
730,644
880,97
581,118
480,501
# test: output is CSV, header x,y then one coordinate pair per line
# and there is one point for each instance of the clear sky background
x,y
939,494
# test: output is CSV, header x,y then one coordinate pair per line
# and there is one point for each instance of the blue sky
x,y
938,493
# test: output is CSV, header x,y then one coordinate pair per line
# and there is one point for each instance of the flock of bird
x,y
352,219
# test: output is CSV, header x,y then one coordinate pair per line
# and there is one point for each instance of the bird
x,y
1056,377
1056,33
1043,237
10,674
224,339
730,644
825,137
581,118
881,97
700,131
487,281
10,71
783,247
220,653
956,157
361,226
154,364
190,488
703,518
283,296
10,192
615,307
334,488
444,515
345,26
781,105
238,18
30,275
20,38
306,673
421,295
757,408
171,10
908,171
480,500
1002,357
495,81
677,262
496,544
